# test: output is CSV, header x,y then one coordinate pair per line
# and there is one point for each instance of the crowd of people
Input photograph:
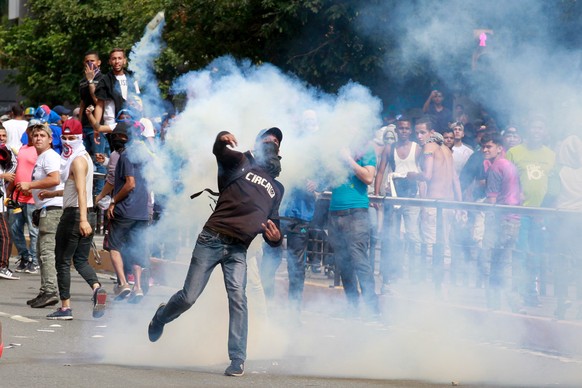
x,y
49,158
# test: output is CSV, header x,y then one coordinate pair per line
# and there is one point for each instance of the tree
x,y
47,49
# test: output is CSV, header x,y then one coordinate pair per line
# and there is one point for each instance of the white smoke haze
x,y
141,64
529,71
421,341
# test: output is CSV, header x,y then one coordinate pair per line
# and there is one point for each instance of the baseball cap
x,y
61,110
34,123
271,131
72,127
29,111
43,125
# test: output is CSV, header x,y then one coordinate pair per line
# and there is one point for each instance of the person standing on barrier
x,y
349,230
502,187
535,163
438,174
45,177
403,158
248,204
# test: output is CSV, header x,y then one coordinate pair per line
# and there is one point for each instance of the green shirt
x,y
535,167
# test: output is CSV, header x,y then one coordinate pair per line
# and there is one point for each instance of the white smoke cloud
x,y
427,344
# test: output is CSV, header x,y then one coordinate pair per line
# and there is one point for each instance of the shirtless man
x,y
440,182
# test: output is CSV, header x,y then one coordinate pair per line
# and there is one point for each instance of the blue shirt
x,y
354,193
135,205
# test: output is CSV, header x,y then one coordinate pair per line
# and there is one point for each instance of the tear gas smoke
x,y
427,343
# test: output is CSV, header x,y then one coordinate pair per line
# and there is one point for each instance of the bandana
x,y
71,149
437,138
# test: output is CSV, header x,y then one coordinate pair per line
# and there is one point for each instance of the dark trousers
x,y
5,241
297,232
72,246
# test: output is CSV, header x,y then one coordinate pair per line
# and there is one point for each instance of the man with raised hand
x,y
248,204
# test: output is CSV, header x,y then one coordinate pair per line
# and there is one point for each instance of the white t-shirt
x,y
122,79
460,156
47,162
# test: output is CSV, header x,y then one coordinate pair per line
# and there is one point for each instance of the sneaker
x,y
45,300
61,314
6,273
22,264
121,291
31,301
136,296
31,268
155,328
236,368
99,299
130,279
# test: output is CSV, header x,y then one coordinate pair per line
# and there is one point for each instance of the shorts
x,y
128,238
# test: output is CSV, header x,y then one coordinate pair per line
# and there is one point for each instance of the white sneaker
x,y
6,273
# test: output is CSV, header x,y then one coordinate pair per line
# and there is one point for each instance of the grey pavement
x,y
421,341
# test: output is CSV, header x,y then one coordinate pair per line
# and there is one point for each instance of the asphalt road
x,y
425,343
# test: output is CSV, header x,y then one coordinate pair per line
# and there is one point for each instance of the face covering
x,y
71,149
267,156
118,144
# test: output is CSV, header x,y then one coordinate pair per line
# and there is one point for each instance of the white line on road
x,y
19,318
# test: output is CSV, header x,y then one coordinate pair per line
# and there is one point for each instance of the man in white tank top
x,y
403,158
74,233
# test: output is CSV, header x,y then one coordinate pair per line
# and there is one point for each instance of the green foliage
x,y
314,39
47,49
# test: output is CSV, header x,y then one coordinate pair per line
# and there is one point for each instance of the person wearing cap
x,y
29,113
45,178
74,234
298,212
248,205
63,112
25,161
46,115
128,211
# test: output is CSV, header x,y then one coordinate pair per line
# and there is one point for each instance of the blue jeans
x,y
17,221
349,235
212,249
